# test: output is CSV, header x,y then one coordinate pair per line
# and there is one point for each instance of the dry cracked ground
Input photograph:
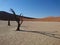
x,y
32,33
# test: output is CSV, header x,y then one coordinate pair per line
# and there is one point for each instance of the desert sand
x,y
32,33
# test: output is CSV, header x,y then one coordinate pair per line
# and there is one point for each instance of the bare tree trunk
x,y
8,22
18,29
19,21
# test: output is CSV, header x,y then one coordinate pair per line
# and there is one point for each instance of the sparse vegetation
x,y
19,19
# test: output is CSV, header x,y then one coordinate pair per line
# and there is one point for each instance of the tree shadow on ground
x,y
44,33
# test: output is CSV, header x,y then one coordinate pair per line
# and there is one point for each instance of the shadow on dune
x,y
44,33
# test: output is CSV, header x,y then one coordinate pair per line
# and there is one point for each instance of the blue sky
x,y
32,8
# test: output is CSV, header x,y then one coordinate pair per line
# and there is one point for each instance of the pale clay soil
x,y
32,33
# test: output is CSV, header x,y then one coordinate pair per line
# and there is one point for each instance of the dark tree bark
x,y
8,22
18,19
18,29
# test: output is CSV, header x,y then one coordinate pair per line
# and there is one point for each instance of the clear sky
x,y
32,8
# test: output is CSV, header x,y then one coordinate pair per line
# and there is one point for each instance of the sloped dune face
x,y
5,16
49,19
46,19
57,19
32,33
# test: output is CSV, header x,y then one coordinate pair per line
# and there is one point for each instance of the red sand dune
x,y
48,19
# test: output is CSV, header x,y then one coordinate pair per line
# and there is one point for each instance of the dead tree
x,y
19,19
8,22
